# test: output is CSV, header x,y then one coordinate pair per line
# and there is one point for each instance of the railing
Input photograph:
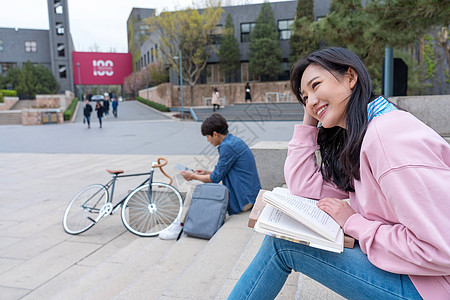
x,y
207,101
278,97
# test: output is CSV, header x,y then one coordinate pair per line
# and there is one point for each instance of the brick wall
x,y
169,94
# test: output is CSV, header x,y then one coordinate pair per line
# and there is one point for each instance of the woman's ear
x,y
352,77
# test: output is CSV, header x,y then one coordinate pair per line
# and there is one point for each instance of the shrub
x,y
158,106
68,113
7,93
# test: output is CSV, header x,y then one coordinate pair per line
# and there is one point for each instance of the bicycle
x,y
147,210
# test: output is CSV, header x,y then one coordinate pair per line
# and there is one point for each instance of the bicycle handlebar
x,y
160,165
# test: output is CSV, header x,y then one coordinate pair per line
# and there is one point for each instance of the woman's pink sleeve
x,y
301,171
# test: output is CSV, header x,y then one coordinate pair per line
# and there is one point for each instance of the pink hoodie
x,y
402,201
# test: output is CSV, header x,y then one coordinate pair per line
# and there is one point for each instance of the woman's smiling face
x,y
326,96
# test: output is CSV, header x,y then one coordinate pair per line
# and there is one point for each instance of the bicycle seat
x,y
117,172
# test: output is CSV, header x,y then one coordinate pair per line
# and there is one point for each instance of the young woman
x,y
394,169
215,99
100,111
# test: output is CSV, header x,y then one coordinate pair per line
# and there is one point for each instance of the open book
x,y
300,220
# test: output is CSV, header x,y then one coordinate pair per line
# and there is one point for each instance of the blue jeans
x,y
349,273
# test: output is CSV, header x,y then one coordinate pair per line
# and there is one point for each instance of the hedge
x,y
70,109
158,106
7,93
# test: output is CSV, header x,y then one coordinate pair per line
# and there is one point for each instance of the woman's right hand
x,y
308,119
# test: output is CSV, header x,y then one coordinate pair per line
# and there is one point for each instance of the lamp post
x,y
181,82
146,76
79,81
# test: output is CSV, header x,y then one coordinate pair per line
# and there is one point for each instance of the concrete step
x,y
10,117
278,111
24,104
114,273
204,277
161,275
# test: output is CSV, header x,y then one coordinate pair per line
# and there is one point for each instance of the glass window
x,y
62,71
61,50
30,46
59,28
284,28
1,45
5,66
216,34
58,7
246,28
144,29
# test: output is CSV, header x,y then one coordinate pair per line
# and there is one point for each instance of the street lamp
x,y
181,82
79,80
146,76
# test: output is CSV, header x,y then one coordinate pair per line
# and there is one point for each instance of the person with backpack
x,y
236,168
87,110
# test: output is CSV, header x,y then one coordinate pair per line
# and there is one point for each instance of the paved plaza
x,y
138,130
42,168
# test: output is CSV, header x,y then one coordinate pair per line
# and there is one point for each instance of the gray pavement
x,y
42,168
138,130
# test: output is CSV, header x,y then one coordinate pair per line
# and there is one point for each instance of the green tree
x,y
12,77
190,32
303,40
30,80
368,30
265,53
347,25
229,54
157,73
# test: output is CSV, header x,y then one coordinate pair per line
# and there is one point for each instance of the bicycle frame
x,y
112,184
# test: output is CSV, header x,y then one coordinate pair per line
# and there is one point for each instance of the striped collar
x,y
378,107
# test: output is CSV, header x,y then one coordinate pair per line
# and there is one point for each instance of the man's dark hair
x,y
215,123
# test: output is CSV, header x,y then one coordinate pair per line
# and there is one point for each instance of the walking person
x,y
115,104
215,99
394,169
87,110
106,105
100,112
248,93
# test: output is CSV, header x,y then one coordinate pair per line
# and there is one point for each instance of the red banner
x,y
100,67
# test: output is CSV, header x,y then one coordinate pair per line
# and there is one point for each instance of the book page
x,y
281,225
305,211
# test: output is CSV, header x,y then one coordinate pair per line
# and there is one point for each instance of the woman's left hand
x,y
338,209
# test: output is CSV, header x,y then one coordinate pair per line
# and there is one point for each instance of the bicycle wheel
x,y
145,219
84,209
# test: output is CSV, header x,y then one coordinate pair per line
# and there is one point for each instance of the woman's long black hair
x,y
340,148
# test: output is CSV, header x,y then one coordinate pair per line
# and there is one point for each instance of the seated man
x,y
236,169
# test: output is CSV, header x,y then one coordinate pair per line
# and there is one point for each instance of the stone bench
x,y
270,157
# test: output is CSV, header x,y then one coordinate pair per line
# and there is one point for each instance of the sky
x,y
94,24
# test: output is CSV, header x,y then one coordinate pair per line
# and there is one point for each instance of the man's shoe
x,y
172,232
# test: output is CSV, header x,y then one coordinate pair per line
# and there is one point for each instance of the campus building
x,y
145,51
51,48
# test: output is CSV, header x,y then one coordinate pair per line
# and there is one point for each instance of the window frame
x,y
245,35
287,29
59,51
30,46
62,74
59,26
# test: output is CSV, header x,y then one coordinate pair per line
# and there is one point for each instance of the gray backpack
x,y
207,211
